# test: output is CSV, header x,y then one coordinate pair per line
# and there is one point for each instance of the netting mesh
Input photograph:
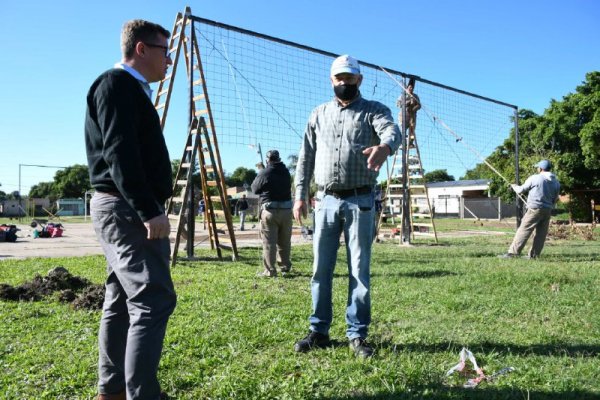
x,y
262,91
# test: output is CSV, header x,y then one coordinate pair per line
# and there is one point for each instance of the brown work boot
x,y
118,396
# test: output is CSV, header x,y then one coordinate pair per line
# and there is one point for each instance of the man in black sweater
x,y
273,184
130,169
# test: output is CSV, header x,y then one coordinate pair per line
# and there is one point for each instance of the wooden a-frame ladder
x,y
420,219
201,145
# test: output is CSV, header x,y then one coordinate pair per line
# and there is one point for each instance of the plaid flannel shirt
x,y
333,142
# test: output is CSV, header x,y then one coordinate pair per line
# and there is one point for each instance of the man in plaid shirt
x,y
345,143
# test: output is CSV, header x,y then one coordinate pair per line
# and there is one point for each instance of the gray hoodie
x,y
543,190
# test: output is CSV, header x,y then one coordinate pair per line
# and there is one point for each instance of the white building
x,y
467,199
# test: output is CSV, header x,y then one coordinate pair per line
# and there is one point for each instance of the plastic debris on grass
x,y
475,374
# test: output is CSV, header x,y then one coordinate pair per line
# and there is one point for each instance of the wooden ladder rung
x,y
421,215
422,224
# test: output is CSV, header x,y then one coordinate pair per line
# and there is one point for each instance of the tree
x,y
44,190
568,134
72,181
241,176
438,175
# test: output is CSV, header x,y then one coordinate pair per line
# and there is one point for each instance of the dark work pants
x,y
139,299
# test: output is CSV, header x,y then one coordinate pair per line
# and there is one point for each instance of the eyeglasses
x,y
160,46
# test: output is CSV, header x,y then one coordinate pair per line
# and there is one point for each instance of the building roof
x,y
465,183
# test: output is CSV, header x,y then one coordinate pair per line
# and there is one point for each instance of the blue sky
x,y
520,52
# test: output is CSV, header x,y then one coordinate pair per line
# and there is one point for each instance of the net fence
x,y
262,90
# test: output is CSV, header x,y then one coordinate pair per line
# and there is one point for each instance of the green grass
x,y
232,333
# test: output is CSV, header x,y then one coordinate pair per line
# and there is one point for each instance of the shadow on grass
x,y
437,391
436,273
551,350
294,274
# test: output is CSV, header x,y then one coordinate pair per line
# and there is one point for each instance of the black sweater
x,y
273,183
125,147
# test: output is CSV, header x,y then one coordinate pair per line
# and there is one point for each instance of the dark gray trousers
x,y
139,299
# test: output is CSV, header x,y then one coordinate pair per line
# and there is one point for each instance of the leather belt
x,y
344,193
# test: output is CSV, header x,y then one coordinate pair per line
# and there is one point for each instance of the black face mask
x,y
345,92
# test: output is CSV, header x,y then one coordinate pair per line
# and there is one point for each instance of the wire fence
x,y
262,90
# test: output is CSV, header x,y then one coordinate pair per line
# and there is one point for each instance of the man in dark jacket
x,y
273,184
131,171
242,207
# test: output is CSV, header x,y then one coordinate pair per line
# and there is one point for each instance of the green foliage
x,y
438,175
72,182
568,134
44,190
232,334
241,176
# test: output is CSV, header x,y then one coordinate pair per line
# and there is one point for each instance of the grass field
x,y
232,334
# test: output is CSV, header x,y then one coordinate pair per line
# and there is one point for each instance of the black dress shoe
x,y
312,340
361,348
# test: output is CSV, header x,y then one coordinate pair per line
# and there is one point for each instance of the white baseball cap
x,y
345,64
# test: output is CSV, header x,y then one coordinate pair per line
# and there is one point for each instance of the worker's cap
x,y
273,156
345,65
546,165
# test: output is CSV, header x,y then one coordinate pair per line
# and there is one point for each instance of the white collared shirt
x,y
138,76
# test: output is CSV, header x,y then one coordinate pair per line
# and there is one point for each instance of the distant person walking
x,y
130,169
543,189
242,206
345,143
274,185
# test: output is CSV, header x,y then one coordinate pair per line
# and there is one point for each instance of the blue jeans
x,y
354,217
242,219
139,299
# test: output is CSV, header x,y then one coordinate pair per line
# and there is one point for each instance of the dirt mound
x,y
571,231
80,292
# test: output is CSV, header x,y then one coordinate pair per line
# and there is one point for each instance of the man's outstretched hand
x,y
377,156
